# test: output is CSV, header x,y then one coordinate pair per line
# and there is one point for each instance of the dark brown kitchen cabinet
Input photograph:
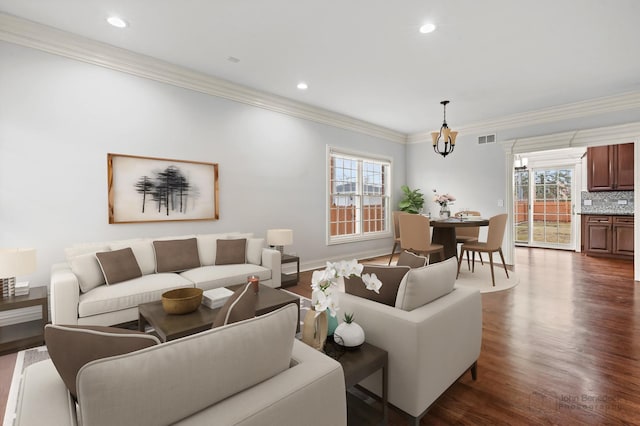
x,y
622,235
608,236
610,168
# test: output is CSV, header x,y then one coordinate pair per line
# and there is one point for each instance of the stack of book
x,y
216,297
22,288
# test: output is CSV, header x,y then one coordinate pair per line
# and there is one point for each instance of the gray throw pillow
x,y
71,346
411,260
240,306
176,255
230,252
390,276
118,265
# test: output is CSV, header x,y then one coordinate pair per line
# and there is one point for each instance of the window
x,y
358,197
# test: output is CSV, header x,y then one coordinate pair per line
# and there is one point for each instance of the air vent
x,y
487,139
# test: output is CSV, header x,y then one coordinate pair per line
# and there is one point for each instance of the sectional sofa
x,y
103,283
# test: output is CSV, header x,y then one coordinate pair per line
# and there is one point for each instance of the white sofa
x,y
248,373
101,304
429,346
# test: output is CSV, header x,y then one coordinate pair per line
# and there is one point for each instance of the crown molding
x,y
48,39
614,103
610,135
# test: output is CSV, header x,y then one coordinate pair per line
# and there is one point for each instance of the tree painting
x,y
169,189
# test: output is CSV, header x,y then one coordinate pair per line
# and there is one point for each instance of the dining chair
x,y
396,232
495,235
467,234
415,235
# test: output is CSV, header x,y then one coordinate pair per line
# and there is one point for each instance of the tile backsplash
x,y
607,202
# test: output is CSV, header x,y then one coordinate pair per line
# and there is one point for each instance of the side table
x,y
288,280
24,335
359,364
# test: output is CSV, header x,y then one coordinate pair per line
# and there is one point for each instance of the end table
x,y
288,280
24,335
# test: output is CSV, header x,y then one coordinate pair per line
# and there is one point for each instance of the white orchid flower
x,y
372,282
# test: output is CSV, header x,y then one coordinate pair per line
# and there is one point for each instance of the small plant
x,y
348,318
413,200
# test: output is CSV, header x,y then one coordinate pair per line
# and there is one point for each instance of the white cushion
x,y
207,247
88,271
237,235
79,249
207,277
129,294
254,250
142,250
423,285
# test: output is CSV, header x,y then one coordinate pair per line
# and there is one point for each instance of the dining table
x,y
444,232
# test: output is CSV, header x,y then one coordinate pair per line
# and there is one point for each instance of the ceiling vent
x,y
482,140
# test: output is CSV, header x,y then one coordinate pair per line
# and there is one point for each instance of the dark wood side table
x,y
24,335
359,364
288,280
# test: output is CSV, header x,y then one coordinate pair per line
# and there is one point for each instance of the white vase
x,y
350,335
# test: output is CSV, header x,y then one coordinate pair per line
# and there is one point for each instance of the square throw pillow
x,y
423,285
70,347
87,269
254,250
118,265
143,251
240,306
411,260
390,276
176,255
230,252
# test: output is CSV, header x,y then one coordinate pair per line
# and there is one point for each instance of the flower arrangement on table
x,y
324,283
443,199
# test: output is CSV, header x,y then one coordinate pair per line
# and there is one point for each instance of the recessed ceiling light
x,y
117,21
427,28
302,86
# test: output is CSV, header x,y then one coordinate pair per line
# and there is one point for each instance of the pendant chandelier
x,y
446,136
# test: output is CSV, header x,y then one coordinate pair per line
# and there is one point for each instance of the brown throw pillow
x,y
176,255
229,252
390,276
240,306
71,346
411,260
118,265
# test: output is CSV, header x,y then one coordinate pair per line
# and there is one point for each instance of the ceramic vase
x,y
314,329
349,335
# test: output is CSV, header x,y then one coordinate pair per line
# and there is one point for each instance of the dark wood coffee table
x,y
359,364
170,327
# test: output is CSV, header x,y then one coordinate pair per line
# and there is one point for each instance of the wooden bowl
x,y
181,300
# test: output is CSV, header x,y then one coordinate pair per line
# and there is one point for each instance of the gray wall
x,y
59,118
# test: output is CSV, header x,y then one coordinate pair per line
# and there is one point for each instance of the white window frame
x,y
359,235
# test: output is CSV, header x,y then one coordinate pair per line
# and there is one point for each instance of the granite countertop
x,y
600,213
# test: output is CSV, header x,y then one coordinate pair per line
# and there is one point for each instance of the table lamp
x,y
15,262
279,238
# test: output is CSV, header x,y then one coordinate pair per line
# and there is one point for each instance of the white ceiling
x,y
366,58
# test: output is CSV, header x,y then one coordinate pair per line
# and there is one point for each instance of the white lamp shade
x,y
16,262
279,237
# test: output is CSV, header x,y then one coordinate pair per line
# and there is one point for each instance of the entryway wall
x,y
610,135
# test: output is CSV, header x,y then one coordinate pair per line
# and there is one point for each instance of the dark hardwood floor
x,y
562,348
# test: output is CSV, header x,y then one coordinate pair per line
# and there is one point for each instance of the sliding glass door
x,y
543,207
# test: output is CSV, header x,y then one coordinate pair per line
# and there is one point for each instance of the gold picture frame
x,y
148,189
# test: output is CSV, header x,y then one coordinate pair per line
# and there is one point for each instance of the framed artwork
x,y
145,189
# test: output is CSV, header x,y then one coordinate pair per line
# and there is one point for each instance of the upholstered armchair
x,y
432,332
